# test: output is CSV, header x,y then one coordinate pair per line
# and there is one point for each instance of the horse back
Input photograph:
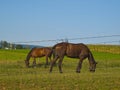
x,y
70,49
74,50
40,52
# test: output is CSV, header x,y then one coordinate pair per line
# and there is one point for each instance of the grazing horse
x,y
80,51
37,53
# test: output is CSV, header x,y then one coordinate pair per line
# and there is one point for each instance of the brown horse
x,y
37,53
80,51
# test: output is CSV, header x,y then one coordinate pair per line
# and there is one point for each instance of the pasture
x,y
15,76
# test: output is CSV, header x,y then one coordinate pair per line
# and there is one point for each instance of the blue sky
x,y
36,20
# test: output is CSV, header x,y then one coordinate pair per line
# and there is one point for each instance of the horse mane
x,y
91,58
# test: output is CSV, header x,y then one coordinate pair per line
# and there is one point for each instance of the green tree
x,y
19,46
4,44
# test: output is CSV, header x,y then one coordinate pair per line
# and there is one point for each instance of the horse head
x,y
93,67
27,63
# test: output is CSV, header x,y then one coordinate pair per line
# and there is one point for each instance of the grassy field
x,y
15,76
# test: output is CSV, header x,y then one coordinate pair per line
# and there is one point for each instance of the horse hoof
x,y
61,72
34,67
50,71
77,71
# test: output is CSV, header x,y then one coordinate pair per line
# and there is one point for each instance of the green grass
x,y
15,76
13,54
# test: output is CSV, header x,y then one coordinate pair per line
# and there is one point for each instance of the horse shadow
x,y
42,65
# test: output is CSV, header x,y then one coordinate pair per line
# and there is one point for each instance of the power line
x,y
95,37
109,42
56,40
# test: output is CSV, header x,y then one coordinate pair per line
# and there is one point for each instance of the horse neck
x,y
91,58
29,55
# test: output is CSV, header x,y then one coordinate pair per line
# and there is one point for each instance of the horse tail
x,y
50,54
53,51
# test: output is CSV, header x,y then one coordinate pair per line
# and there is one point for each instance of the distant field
x,y
106,48
15,76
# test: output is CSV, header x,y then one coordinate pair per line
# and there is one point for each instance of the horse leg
x,y
34,62
46,60
50,59
80,64
53,62
59,64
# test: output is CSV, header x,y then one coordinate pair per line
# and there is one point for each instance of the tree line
x,y
7,45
